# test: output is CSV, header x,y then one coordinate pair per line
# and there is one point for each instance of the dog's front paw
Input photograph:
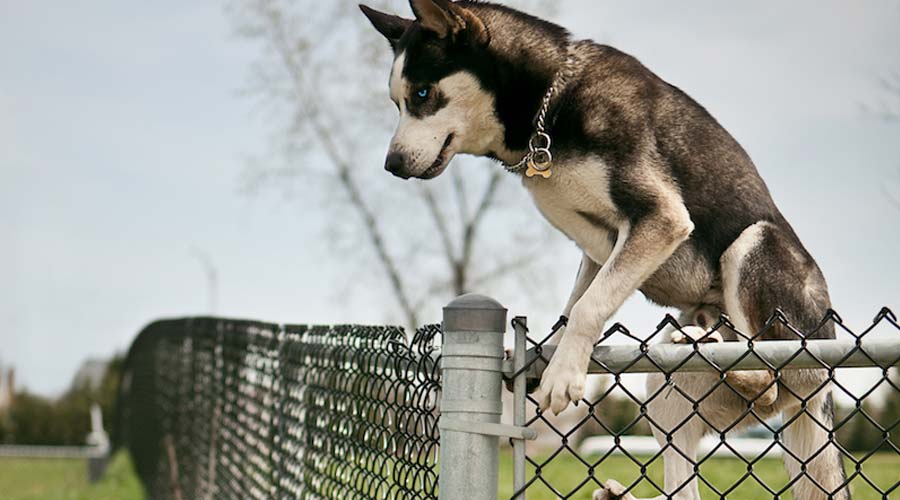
x,y
563,381
694,334
768,397
612,490
757,386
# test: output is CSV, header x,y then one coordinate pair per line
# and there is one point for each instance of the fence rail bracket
x,y
488,429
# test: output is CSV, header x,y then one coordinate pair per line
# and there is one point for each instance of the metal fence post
x,y
520,324
471,365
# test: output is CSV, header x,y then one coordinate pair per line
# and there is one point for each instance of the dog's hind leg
x,y
671,413
673,417
766,268
812,461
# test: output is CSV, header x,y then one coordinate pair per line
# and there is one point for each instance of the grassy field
x,y
566,474
24,479
39,479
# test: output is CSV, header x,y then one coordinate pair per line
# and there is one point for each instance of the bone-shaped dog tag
x,y
531,172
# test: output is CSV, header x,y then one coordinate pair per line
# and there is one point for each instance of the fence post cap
x,y
474,301
474,312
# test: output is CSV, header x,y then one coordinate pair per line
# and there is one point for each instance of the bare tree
x,y
326,69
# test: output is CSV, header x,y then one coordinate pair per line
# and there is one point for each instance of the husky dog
x,y
657,195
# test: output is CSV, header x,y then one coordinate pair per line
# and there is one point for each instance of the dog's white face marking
x,y
397,85
465,121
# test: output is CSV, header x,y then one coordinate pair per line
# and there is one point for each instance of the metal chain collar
x,y
539,159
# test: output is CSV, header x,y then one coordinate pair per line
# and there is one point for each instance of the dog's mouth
x,y
440,163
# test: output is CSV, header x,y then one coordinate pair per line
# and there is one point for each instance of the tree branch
x,y
299,73
505,268
325,137
470,229
440,223
485,278
462,202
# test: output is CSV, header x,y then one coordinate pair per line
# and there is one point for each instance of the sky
x,y
125,126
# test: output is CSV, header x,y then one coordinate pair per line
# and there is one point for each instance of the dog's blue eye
x,y
422,93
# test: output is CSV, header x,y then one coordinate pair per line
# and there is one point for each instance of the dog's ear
x,y
392,27
446,19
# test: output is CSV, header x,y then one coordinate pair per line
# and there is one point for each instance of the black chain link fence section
x,y
827,420
213,408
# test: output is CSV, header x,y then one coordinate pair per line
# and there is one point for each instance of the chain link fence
x,y
723,415
213,408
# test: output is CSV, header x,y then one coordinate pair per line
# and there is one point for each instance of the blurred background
x,y
168,159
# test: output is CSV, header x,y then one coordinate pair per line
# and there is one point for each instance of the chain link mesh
x,y
212,408
604,436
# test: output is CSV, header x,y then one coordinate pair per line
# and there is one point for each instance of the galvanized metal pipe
x,y
519,400
471,371
734,356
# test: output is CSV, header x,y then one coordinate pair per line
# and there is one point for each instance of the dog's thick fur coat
x,y
657,195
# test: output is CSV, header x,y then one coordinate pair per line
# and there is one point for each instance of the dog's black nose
x,y
395,162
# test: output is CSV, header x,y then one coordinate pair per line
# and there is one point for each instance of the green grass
x,y
565,473
64,479
30,479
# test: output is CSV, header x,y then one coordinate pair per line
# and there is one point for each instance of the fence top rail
x,y
717,357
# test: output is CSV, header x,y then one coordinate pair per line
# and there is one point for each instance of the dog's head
x,y
444,105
